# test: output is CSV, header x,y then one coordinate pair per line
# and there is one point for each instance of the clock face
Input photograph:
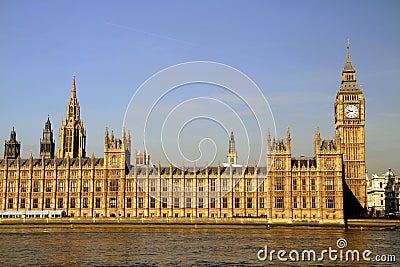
x,y
351,111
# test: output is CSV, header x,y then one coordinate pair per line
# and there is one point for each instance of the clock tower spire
x,y
349,72
349,123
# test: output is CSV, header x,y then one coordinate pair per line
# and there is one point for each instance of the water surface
x,y
122,246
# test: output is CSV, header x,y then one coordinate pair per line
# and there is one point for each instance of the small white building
x,y
376,194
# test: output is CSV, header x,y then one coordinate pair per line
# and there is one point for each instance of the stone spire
x,y
348,72
48,123
13,135
288,139
73,89
268,142
232,155
72,135
232,148
12,147
47,145
317,141
73,109
348,66
337,140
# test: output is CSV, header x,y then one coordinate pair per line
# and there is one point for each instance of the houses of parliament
x,y
326,187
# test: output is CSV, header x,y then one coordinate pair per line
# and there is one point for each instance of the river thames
x,y
122,246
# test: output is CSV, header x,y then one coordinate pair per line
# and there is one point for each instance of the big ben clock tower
x,y
350,123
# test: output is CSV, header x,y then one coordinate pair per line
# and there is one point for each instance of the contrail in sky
x,y
150,33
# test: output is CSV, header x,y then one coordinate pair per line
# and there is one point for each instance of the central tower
x,y
232,155
72,135
350,123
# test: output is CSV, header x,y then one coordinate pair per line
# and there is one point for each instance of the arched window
x,y
279,164
114,161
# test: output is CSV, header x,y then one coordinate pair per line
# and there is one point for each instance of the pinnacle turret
x,y
232,155
47,145
232,148
73,89
12,147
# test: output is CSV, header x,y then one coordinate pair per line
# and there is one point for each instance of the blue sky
x,y
293,50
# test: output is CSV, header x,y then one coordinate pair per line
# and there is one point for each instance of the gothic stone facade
x,y
289,189
294,189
